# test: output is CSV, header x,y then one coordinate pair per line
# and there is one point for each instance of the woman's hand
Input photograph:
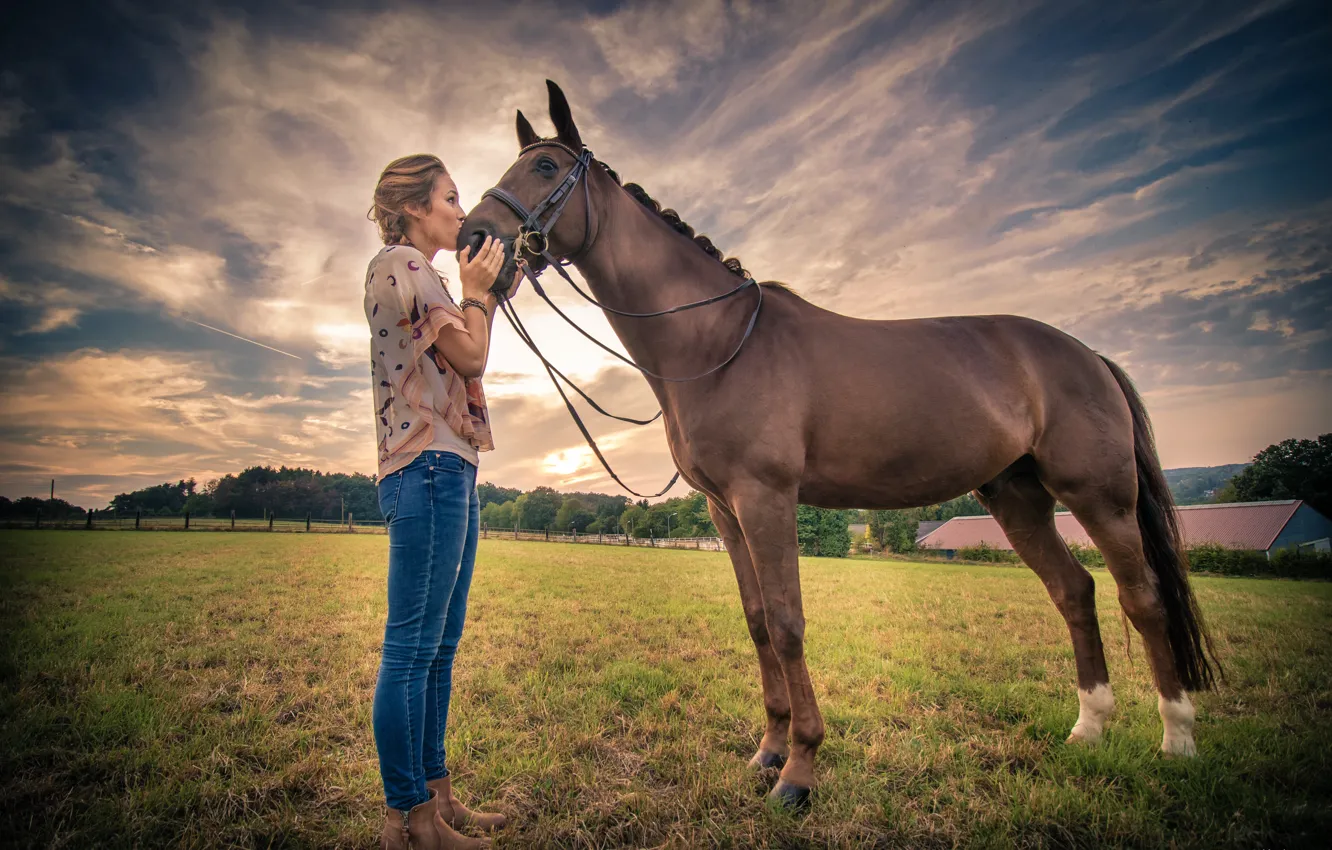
x,y
479,273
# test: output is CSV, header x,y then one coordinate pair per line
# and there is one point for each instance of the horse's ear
x,y
565,130
526,135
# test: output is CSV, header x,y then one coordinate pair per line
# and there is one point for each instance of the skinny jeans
x,y
431,510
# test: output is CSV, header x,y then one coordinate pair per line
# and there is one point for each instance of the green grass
x,y
214,690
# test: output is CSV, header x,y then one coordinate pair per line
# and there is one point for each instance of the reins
x,y
533,237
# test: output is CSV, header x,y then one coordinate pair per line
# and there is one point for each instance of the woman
x,y
427,356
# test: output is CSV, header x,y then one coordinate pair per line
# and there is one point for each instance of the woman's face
x,y
442,223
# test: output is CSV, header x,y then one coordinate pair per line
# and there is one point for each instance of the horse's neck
x,y
639,264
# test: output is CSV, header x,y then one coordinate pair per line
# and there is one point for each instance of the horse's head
x,y
533,185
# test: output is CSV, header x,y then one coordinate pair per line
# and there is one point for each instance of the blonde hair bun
x,y
406,180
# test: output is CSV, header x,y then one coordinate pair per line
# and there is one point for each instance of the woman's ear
x,y
565,130
526,135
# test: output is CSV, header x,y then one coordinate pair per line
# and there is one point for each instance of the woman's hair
x,y
406,180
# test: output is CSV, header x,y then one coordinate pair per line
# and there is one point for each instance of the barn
x,y
1257,526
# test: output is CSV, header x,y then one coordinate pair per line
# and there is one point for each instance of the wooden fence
x,y
712,544
110,521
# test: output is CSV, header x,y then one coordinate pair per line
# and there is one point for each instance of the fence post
x,y
349,522
187,520
138,513
601,537
515,531
575,534
484,529
233,519
270,520
89,518
547,534
307,522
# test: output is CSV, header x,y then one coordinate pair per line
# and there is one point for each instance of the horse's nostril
x,y
475,241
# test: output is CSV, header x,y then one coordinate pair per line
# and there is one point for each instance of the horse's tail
x,y
1163,544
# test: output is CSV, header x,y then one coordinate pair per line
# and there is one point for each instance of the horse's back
x,y
920,410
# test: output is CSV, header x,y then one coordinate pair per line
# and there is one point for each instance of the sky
x,y
1154,179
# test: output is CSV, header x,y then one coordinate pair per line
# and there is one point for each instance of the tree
x,y
26,507
965,505
199,504
823,532
498,515
635,521
895,530
490,494
1291,469
691,517
573,513
155,498
537,509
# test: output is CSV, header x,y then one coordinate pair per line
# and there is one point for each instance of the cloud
x,y
93,412
1145,177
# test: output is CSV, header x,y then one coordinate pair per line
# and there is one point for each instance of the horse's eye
x,y
546,166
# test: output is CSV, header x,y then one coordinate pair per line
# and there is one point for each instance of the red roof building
x,y
1258,526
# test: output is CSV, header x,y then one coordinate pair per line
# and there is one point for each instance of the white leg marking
x,y
1177,718
1094,708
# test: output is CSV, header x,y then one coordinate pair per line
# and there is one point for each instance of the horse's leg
x,y
767,520
773,748
1108,513
1025,511
1115,532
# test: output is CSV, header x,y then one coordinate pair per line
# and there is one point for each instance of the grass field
x,y
214,690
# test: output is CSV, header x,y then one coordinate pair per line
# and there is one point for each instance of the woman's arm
x,y
467,350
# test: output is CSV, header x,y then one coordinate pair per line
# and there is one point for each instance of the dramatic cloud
x,y
1151,179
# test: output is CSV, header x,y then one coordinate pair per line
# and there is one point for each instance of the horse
x,y
1011,408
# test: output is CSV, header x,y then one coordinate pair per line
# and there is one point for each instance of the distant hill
x,y
1198,485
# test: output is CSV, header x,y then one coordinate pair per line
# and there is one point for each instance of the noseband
x,y
534,238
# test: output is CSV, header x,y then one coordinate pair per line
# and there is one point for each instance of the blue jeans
x,y
431,510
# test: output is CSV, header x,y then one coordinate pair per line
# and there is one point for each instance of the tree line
x,y
1292,469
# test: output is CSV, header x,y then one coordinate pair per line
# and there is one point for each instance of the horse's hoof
x,y
765,759
1086,737
788,796
1179,747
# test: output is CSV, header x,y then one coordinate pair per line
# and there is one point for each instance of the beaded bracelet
x,y
474,302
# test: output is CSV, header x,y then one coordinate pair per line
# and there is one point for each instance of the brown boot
x,y
412,830
458,815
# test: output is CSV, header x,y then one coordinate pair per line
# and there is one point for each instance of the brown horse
x,y
1007,406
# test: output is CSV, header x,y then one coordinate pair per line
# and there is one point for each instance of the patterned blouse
x,y
407,306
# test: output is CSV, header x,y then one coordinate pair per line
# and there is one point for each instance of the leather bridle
x,y
534,238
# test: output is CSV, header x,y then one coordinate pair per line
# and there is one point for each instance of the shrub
x,y
1287,563
1210,558
987,554
1088,556
1301,563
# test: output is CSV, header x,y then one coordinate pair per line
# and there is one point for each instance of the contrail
x,y
243,339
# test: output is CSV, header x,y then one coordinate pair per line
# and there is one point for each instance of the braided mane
x,y
671,217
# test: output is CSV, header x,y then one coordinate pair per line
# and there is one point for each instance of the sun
x,y
567,461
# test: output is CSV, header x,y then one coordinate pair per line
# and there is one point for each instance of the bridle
x,y
534,238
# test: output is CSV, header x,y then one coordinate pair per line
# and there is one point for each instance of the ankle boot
x,y
459,816
412,830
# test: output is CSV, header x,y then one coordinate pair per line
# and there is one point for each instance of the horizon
x,y
185,241
685,489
